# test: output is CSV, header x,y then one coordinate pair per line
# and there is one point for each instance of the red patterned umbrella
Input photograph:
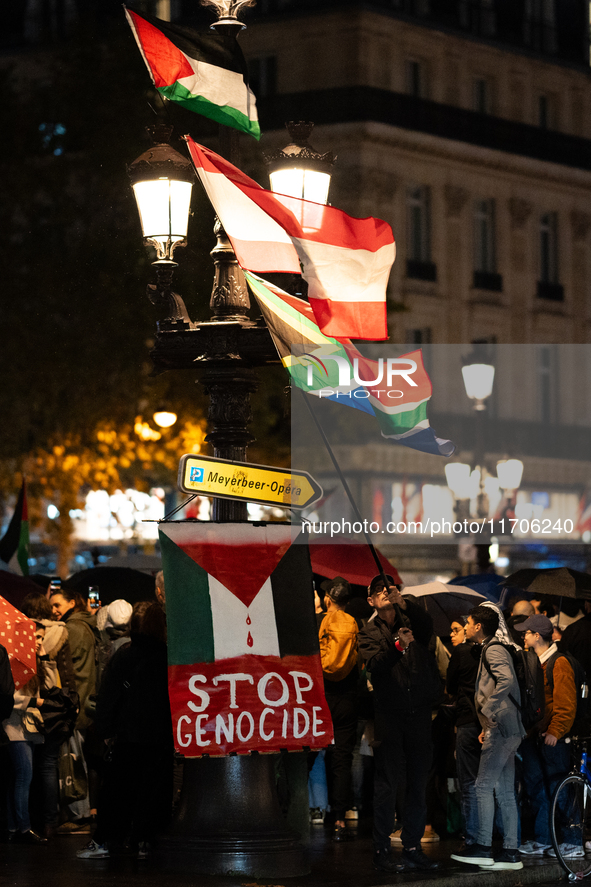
x,y
17,634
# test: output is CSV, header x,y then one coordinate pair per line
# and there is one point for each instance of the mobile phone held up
x,y
93,597
55,585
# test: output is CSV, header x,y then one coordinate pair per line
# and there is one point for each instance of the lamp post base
x,y
229,822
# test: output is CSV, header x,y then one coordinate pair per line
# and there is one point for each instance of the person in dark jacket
x,y
576,640
403,673
461,680
6,691
133,716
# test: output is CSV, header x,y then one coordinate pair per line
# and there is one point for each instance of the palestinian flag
x,y
16,538
336,370
345,261
204,72
244,662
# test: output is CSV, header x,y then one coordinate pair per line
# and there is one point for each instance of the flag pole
x,y
403,618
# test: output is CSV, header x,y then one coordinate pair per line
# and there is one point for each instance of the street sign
x,y
244,481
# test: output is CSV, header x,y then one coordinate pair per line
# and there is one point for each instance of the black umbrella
x,y
558,581
114,583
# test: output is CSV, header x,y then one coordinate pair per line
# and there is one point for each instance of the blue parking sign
x,y
197,475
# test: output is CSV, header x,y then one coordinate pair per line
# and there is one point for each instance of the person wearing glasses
x,y
457,633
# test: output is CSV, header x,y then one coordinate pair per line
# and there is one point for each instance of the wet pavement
x,y
333,865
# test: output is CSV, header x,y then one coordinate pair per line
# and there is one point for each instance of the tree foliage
x,y
77,326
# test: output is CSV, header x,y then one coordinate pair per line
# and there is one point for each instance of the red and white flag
x,y
346,262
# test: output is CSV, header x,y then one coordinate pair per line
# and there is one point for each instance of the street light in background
x,y
164,418
478,375
478,382
510,472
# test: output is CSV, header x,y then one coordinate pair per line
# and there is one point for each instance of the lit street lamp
x,y
164,418
298,170
478,382
510,472
478,376
162,181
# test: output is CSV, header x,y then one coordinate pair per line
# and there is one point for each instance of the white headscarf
x,y
502,632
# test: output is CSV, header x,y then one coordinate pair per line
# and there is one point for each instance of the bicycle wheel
x,y
570,825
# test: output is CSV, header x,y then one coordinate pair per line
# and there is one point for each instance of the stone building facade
x,y
475,149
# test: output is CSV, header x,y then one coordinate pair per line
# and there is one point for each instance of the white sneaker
x,y
571,851
93,851
532,848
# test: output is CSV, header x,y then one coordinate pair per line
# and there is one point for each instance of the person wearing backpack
x,y
339,656
545,755
497,699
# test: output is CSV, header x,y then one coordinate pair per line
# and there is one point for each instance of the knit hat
x,y
116,615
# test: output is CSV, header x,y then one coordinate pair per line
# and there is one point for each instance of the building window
x,y
548,285
485,261
416,80
543,112
481,98
262,76
418,209
546,383
420,336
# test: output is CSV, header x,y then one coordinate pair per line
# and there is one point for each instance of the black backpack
x,y
582,717
530,677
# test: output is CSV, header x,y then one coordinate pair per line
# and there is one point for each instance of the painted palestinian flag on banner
x,y
394,390
204,72
243,653
345,261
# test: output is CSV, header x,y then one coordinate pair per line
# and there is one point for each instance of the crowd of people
x,y
467,692
79,739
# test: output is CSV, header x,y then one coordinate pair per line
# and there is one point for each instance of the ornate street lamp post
x,y
478,378
229,817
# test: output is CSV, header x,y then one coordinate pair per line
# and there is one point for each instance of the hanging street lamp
x,y
298,170
162,182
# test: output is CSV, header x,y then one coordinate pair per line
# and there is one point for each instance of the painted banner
x,y
244,665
